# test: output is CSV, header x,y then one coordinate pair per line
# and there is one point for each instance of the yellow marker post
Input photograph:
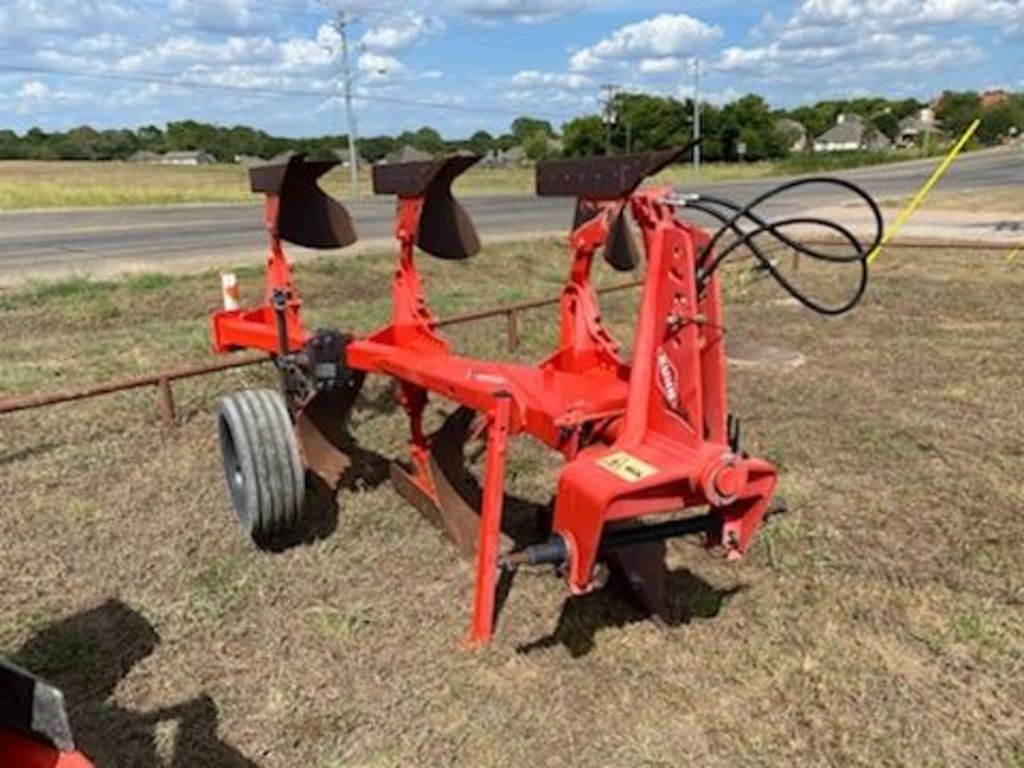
x,y
923,192
1012,255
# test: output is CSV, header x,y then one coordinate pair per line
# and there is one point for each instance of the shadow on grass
x,y
87,655
689,597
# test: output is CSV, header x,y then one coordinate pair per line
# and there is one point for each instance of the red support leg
x,y
490,523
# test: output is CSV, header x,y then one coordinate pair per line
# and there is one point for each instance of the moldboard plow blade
x,y
444,228
452,499
321,431
306,215
594,181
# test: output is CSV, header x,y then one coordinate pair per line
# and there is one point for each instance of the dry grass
x,y
880,622
1003,199
30,184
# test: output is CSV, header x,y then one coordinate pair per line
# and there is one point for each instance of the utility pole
x,y
696,117
610,118
341,24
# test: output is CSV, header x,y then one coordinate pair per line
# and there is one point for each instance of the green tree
x,y
748,124
426,139
998,122
480,143
525,127
887,123
376,147
650,122
957,111
11,147
537,146
584,136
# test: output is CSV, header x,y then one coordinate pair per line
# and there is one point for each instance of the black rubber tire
x,y
262,467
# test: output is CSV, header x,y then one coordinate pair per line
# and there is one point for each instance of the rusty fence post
x,y
166,398
512,318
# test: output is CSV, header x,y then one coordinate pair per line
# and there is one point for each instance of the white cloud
x,y
188,50
304,53
531,78
664,37
35,90
518,10
230,14
378,67
401,32
34,95
854,43
909,12
662,66
62,15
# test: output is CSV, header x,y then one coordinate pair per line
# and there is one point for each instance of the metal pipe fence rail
x,y
162,380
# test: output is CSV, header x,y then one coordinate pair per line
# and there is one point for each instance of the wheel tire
x,y
262,467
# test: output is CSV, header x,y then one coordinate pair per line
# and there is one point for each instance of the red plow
x,y
34,726
650,449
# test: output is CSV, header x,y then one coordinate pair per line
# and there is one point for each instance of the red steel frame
x,y
17,751
640,438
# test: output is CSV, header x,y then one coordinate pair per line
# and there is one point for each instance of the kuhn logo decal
x,y
668,379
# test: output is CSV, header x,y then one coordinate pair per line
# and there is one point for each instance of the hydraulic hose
x,y
730,215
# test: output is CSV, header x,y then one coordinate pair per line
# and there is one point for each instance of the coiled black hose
x,y
730,214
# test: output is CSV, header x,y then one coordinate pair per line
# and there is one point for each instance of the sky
x,y
466,65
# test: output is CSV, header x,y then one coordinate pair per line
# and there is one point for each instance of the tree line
x,y
744,129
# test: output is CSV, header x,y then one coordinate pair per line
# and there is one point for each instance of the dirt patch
x,y
880,622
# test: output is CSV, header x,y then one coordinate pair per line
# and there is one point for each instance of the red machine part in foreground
x,y
34,729
641,437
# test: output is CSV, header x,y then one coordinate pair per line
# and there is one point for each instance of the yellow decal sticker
x,y
627,467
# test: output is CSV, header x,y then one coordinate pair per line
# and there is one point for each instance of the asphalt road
x,y
97,240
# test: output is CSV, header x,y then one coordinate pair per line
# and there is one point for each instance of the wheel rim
x,y
233,473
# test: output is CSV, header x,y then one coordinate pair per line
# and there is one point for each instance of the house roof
x,y
408,154
852,129
849,130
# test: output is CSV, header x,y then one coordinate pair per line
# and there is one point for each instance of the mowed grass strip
x,y
992,199
37,184
880,622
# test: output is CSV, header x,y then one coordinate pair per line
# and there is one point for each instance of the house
x,y
406,154
851,133
917,129
506,158
190,157
795,134
993,98
248,161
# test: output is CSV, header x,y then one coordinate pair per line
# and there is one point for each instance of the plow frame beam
x,y
672,452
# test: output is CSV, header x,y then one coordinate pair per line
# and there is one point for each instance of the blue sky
x,y
463,65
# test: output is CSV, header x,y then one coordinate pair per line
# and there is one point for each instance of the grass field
x,y
25,184
1003,199
880,622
